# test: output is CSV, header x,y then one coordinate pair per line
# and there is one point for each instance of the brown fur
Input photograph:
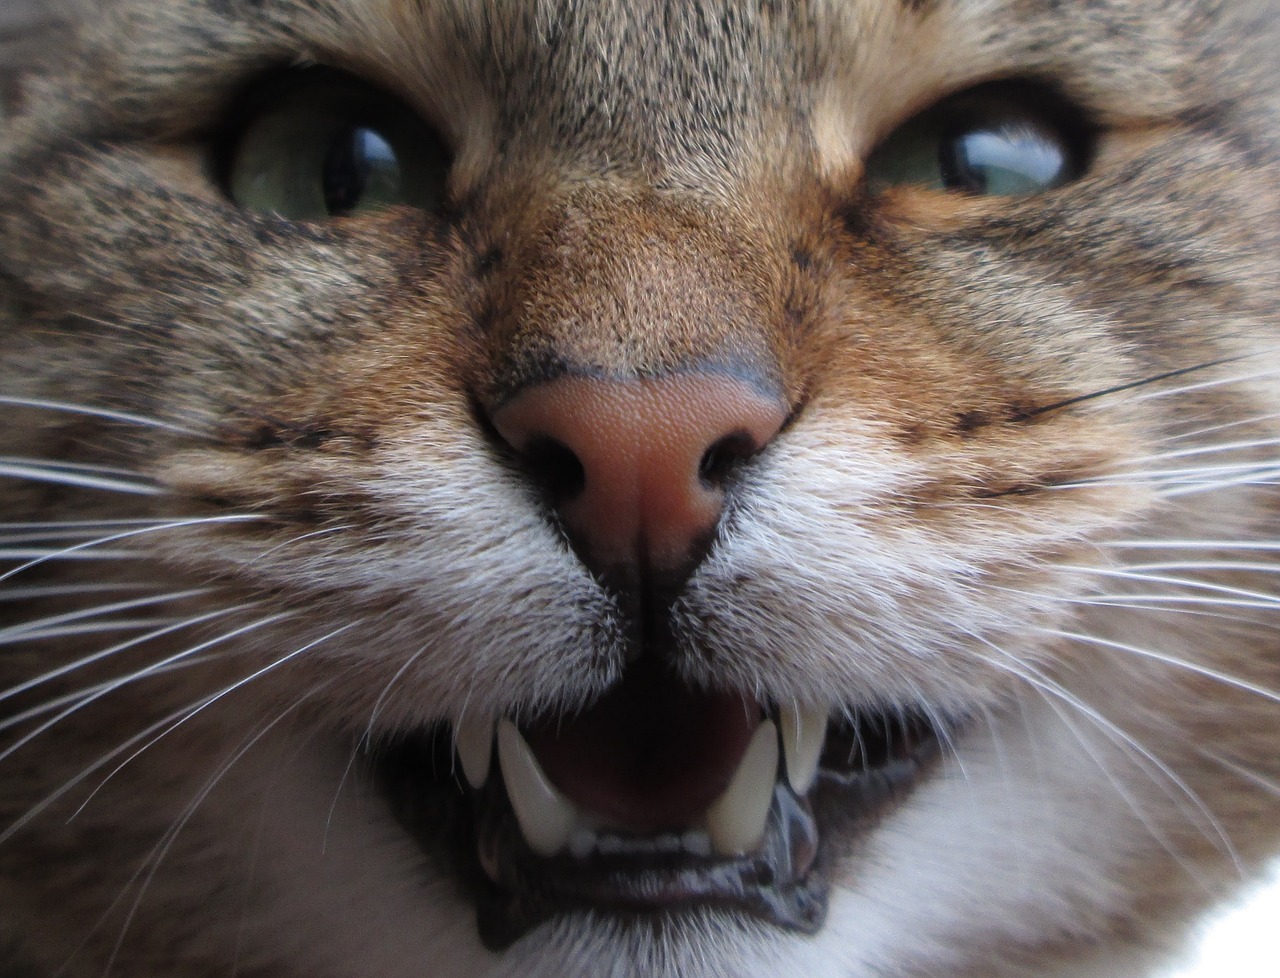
x,y
977,388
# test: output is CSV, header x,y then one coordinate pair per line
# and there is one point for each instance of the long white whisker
x,y
1194,544
100,627
35,810
96,412
1173,480
1168,602
157,854
1242,771
61,478
365,738
1190,583
135,676
1270,477
39,555
1251,567
56,703
1218,428
298,539
1207,384
1127,742
7,634
225,691
1211,449
131,534
108,652
39,592
1168,660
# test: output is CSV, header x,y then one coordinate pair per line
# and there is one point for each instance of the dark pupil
x,y
359,160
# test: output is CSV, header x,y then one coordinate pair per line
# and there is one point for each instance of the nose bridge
x,y
627,283
637,373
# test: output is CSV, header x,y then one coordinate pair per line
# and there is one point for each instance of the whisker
x,y
1218,382
1133,385
1199,475
99,656
1142,755
1190,583
97,412
1169,660
1211,449
1268,478
157,854
366,738
1170,602
1230,566
40,592
298,539
39,555
49,536
35,810
1165,604
225,691
1194,544
88,628
131,534
10,632
56,703
1225,426
133,677
82,481
1244,772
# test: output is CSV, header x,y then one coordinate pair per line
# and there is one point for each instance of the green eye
x,y
984,144
320,147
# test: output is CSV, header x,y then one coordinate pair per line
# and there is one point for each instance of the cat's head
x,y
727,487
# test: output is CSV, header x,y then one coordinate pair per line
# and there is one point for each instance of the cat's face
x,y
689,488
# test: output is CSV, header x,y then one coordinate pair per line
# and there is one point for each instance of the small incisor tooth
x,y
803,734
736,820
546,817
473,737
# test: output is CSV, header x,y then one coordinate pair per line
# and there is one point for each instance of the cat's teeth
x,y
547,818
803,734
736,820
473,737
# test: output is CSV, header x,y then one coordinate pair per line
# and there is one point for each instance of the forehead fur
x,y
680,89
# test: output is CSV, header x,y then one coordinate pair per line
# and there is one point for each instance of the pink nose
x,y
637,467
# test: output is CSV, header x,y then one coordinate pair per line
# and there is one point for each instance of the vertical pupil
x,y
358,157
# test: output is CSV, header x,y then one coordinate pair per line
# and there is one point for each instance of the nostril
x,y
724,456
637,470
555,467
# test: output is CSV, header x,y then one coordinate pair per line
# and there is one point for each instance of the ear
x,y
23,24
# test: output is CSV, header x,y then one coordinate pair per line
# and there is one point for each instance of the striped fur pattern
x,y
252,525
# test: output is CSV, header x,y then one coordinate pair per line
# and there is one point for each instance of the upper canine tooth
x,y
736,820
546,817
473,737
803,734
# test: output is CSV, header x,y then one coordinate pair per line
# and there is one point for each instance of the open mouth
x,y
657,799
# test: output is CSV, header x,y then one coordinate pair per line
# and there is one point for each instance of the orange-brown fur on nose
x,y
636,466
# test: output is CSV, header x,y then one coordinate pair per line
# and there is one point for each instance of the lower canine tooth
x,y
546,817
803,732
474,739
736,820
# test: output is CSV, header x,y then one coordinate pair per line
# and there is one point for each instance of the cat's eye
x,y
322,145
990,143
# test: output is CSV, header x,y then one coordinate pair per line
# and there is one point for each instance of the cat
x,y
685,488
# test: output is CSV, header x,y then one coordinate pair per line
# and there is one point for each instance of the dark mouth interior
x,y
642,766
